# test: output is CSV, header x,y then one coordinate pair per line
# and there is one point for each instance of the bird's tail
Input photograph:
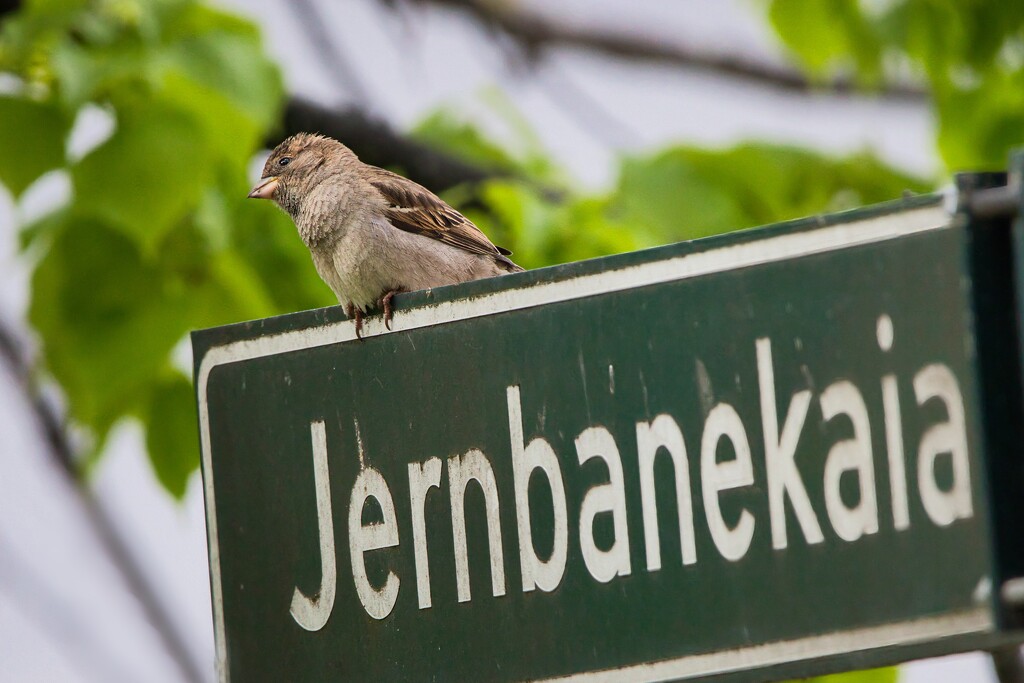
x,y
506,264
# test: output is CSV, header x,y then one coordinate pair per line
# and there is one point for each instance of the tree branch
x,y
314,26
375,142
536,33
61,452
50,424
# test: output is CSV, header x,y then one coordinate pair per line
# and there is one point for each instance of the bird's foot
x,y
385,303
352,312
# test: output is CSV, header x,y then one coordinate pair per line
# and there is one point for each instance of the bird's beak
x,y
265,188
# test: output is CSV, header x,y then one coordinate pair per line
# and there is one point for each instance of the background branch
x,y
61,451
536,33
377,143
50,423
315,26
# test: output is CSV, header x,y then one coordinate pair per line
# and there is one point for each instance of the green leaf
x,y
605,234
968,54
44,227
32,139
90,74
886,675
230,134
172,433
524,217
679,193
148,175
670,194
264,237
234,67
979,126
158,237
684,193
190,19
811,30
443,130
106,318
446,130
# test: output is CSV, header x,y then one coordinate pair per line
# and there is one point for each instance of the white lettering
x,y
894,446
603,565
893,432
944,507
538,455
461,469
723,421
370,483
663,432
850,455
783,475
422,478
312,613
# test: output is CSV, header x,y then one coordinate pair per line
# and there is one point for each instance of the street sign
x,y
751,456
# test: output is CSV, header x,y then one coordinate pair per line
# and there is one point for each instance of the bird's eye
x,y
284,161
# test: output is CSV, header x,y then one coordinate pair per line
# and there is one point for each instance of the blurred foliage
x,y
887,675
674,194
970,54
157,237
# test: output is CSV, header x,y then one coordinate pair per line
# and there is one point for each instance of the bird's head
x,y
297,166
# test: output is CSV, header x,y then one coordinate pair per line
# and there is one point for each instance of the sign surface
x,y
725,457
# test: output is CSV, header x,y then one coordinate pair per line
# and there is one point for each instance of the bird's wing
x,y
413,208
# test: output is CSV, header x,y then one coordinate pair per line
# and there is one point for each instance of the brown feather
x,y
413,208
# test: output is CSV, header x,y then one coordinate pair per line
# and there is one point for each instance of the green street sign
x,y
759,455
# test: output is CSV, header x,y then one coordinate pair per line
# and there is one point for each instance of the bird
x,y
372,233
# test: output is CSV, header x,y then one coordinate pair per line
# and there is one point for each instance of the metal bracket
x,y
995,201
1012,592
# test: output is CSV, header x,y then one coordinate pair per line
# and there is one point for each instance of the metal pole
x,y
1008,664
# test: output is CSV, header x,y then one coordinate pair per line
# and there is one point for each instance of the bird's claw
x,y
385,303
352,312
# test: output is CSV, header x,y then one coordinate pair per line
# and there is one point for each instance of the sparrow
x,y
373,233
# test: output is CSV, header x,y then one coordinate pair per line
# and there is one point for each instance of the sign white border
x,y
732,257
